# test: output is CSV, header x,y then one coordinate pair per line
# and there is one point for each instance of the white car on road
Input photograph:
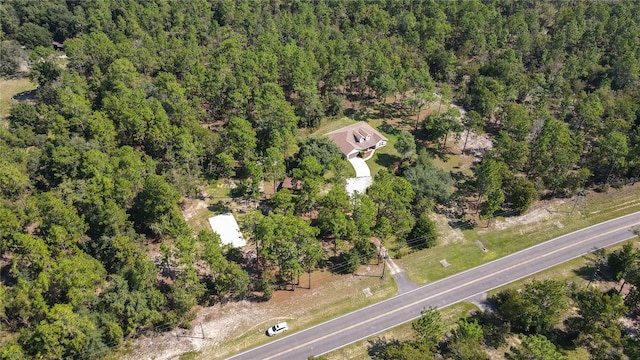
x,y
277,329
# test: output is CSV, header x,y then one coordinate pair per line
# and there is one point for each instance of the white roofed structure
x,y
226,226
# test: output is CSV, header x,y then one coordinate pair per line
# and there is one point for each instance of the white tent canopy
x,y
227,227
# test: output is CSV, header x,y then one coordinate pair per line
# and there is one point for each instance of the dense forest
x,y
139,104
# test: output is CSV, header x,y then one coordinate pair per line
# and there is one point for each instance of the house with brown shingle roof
x,y
353,139
291,184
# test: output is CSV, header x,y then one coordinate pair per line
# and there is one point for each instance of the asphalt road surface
x,y
368,321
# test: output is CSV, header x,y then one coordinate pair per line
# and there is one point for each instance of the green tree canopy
x,y
322,148
185,90
535,308
11,55
392,196
553,153
521,193
284,242
155,209
599,329
535,347
427,180
424,233
406,144
429,329
63,333
466,342
32,35
623,260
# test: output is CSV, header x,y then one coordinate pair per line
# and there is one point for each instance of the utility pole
x,y
596,273
613,164
309,275
384,264
580,194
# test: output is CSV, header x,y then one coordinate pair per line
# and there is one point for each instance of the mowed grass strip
x,y
386,156
331,296
424,266
578,272
331,125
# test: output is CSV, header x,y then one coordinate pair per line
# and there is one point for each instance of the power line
x,y
164,327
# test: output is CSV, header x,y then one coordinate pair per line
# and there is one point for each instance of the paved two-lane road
x,y
405,307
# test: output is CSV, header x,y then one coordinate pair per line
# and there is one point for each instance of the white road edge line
x,y
461,300
446,292
435,282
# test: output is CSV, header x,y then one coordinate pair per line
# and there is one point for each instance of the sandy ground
x,y
359,184
477,144
192,207
363,179
451,235
217,323
223,323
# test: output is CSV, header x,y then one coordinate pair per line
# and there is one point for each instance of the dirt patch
x,y
211,328
14,90
447,234
476,146
229,328
631,326
541,211
191,207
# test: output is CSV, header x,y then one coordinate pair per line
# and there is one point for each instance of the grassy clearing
x,y
386,156
424,266
217,200
9,88
455,163
331,125
189,356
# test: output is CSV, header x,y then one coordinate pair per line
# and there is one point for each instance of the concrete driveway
x,y
363,179
361,167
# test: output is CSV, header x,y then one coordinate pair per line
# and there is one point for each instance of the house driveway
x,y
363,179
360,166
359,184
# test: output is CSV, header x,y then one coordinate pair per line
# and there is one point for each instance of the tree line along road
x,y
368,321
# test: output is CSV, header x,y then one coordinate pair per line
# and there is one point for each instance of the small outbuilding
x,y
226,226
291,184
